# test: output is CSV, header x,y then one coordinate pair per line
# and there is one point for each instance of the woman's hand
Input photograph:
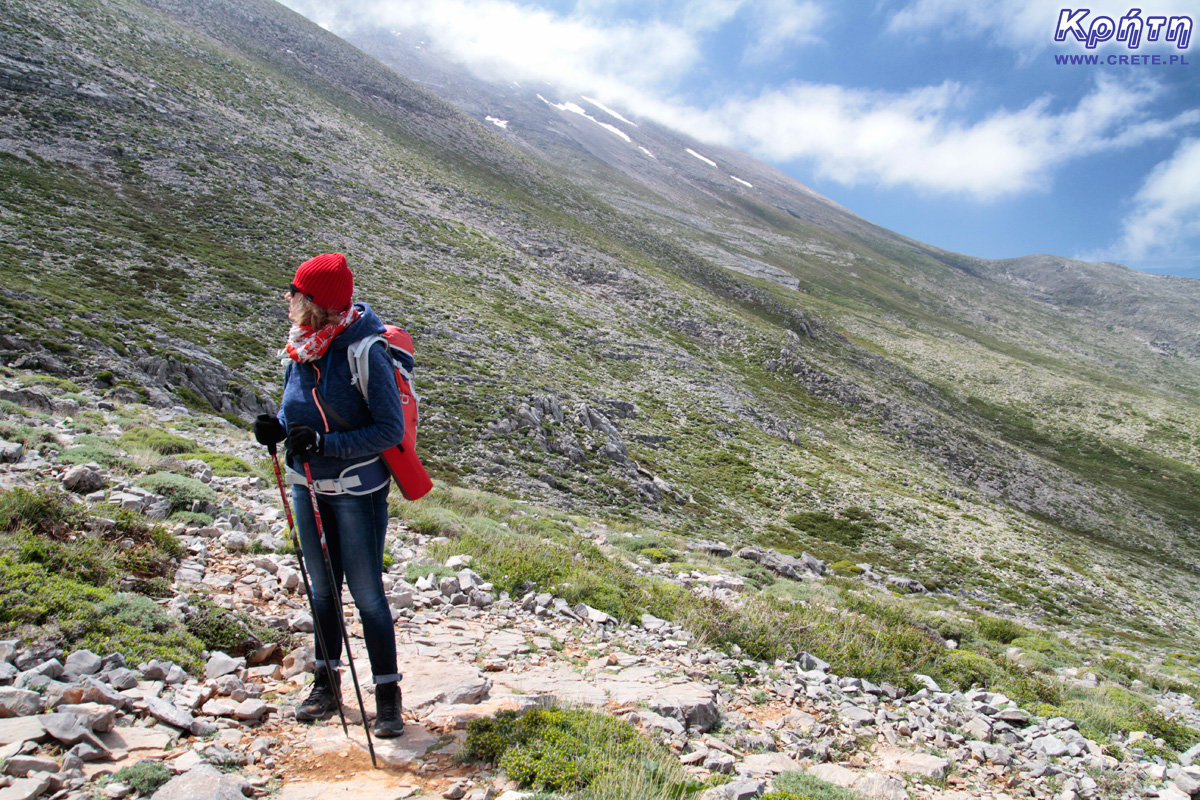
x,y
304,442
268,430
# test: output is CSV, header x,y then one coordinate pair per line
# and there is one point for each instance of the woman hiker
x,y
325,420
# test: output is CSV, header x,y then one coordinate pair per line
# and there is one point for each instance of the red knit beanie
x,y
327,281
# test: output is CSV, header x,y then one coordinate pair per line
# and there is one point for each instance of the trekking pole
x,y
307,590
337,596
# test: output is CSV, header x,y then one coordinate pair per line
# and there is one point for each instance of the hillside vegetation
x,y
648,343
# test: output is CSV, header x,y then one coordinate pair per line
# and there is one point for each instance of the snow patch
x,y
647,152
708,161
742,182
575,109
608,110
499,123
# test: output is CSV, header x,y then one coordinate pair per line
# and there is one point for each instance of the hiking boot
x,y
323,699
388,722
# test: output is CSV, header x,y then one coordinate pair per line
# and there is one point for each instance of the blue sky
x,y
946,121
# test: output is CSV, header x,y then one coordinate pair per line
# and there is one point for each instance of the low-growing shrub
x,y
145,777
161,442
195,519
1172,730
38,604
828,528
234,633
998,629
181,490
103,454
966,669
435,522
89,561
657,555
570,749
41,512
222,465
807,787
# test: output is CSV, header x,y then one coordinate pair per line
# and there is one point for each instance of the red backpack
x,y
401,460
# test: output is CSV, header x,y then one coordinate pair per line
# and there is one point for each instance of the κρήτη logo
x,y
1133,29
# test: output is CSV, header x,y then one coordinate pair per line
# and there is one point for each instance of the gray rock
x,y
96,717
809,662
202,728
121,678
205,782
21,729
716,761
19,703
250,709
742,789
978,728
84,478
468,579
696,709
1051,746
926,681
1188,780
651,622
21,766
168,712
221,664
1169,792
70,729
797,569
857,716
991,753
35,655
593,615
1190,756
878,786
28,398
1013,716
154,670
82,662
910,585
96,692
11,452
657,721
52,669
712,548
27,788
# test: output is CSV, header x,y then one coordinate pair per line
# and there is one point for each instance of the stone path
x,y
68,721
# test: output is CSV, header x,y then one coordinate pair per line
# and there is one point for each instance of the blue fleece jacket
x,y
372,428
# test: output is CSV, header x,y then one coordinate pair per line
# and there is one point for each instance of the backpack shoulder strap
x,y
359,355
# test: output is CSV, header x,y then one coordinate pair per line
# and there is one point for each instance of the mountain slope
x,y
597,328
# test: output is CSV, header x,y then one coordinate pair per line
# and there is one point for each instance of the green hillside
x,y
645,344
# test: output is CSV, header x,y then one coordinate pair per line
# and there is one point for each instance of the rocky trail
x,y
70,720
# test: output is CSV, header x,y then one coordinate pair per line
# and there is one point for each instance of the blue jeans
x,y
355,527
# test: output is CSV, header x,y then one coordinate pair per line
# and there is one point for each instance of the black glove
x,y
268,430
304,442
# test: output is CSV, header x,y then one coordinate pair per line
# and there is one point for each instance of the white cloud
x,y
579,51
1166,212
1024,25
919,139
923,138
779,24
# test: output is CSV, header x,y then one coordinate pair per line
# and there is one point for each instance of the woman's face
x,y
293,299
